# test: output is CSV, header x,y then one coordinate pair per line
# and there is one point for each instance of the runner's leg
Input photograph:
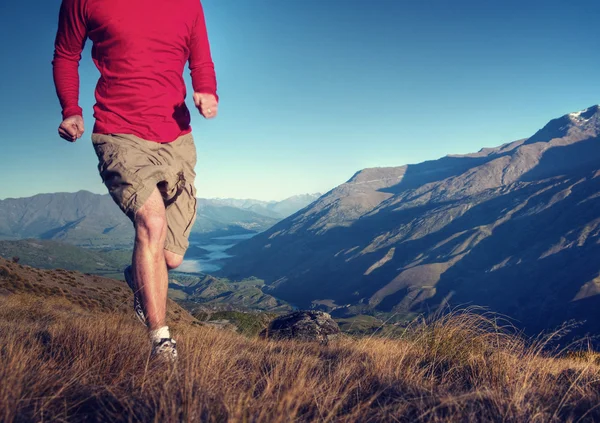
x,y
149,263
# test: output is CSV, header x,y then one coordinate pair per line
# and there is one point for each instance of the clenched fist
x,y
207,105
71,128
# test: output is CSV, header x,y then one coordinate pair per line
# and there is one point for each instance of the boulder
x,y
303,326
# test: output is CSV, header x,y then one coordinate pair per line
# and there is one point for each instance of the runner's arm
x,y
68,45
202,68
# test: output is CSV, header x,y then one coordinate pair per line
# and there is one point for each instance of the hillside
x,y
207,292
45,254
514,228
95,294
72,351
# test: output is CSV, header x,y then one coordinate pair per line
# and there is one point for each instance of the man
x,y
142,134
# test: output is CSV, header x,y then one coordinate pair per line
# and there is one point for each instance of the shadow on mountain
x,y
56,231
581,156
420,174
537,291
451,237
556,128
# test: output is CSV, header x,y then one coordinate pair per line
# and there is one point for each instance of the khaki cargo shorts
x,y
132,167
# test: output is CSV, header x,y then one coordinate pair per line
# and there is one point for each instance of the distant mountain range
x,y
94,220
515,228
275,209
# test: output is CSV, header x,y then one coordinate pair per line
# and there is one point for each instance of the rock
x,y
303,326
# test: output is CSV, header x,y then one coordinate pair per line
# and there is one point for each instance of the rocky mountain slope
x,y
515,228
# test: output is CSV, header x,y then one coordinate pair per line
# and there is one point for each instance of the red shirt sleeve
x,y
201,64
69,43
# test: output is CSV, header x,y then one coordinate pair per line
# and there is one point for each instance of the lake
x,y
213,261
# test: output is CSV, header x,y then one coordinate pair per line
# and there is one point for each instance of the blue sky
x,y
314,90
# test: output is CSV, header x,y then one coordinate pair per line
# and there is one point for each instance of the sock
x,y
158,334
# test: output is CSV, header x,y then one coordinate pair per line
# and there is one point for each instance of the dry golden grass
x,y
59,362
94,293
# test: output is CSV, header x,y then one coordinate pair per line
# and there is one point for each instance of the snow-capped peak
x,y
585,114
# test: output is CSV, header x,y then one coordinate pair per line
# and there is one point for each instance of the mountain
x,y
94,220
276,209
80,218
221,220
291,205
514,228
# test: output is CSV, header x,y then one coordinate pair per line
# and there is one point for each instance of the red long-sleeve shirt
x,y
140,48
